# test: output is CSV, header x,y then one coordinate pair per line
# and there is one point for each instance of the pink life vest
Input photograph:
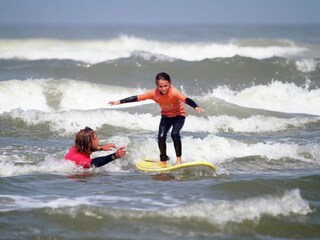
x,y
81,159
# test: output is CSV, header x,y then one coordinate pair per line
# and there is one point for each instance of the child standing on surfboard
x,y
172,112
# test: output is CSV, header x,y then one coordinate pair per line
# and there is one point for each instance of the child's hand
x,y
114,103
199,110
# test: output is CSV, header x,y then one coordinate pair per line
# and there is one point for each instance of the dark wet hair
x,y
163,76
84,140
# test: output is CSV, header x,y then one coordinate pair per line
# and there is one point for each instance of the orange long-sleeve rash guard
x,y
171,103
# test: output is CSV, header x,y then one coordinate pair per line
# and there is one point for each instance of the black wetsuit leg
x,y
178,123
100,161
165,124
164,127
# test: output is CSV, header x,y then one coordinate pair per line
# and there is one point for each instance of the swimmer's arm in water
x,y
100,161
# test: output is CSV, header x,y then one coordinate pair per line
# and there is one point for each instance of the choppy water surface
x,y
258,85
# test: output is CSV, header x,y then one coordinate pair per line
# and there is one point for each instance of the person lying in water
x,y
87,142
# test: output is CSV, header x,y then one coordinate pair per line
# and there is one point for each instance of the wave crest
x,y
95,51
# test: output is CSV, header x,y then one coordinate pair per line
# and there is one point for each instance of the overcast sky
x,y
160,11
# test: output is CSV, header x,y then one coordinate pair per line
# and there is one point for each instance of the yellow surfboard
x,y
150,165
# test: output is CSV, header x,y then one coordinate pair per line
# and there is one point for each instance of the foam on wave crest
x,y
70,122
95,51
276,96
219,212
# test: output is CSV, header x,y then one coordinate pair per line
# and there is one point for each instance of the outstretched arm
x,y
191,103
125,100
100,161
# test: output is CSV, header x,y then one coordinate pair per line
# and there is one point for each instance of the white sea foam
x,y
66,123
17,202
253,124
60,95
213,212
22,202
218,150
12,166
237,211
19,164
276,96
95,51
49,95
70,122
22,94
306,65
214,149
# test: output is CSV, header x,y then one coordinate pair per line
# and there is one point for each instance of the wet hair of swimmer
x,y
84,140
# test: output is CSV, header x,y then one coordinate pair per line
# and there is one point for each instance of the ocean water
x,y
259,86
